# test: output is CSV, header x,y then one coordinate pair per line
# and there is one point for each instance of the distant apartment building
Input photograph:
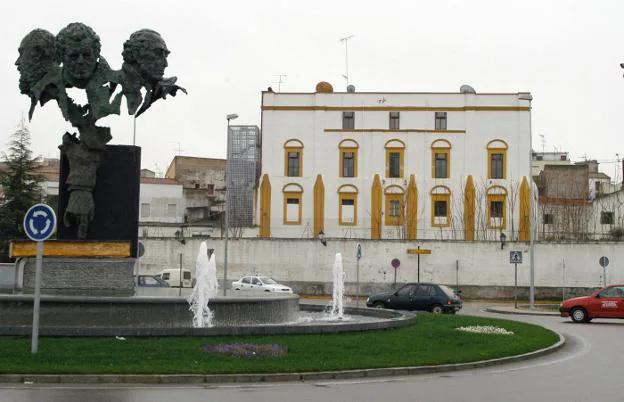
x,y
577,201
541,159
599,182
203,184
563,200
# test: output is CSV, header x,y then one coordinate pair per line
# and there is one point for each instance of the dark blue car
x,y
418,296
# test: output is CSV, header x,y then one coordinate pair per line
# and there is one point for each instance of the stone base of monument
x,y
76,267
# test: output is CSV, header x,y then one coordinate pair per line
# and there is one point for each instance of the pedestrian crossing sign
x,y
515,257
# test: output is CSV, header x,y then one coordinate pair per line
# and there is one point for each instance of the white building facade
x,y
395,165
161,200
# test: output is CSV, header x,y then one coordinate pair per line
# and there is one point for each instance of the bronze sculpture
x,y
49,65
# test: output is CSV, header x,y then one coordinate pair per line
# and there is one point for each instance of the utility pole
x,y
228,180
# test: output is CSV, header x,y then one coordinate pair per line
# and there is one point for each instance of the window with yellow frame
x,y
441,159
395,158
293,158
497,159
292,204
497,207
395,203
347,209
292,208
440,206
348,166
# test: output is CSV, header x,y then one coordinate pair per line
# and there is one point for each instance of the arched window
x,y
348,158
395,205
292,203
440,206
395,158
497,159
347,205
497,207
293,158
441,159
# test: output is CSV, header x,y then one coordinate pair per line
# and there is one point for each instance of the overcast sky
x,y
566,53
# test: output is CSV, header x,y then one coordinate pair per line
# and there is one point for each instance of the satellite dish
x,y
351,88
467,89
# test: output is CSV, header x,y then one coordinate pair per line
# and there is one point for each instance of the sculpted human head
x,y
147,52
78,48
37,56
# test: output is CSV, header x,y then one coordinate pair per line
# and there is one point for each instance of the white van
x,y
172,277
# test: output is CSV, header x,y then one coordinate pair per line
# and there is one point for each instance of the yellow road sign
x,y
418,251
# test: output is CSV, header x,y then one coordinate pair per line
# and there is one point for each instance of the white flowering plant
x,y
485,329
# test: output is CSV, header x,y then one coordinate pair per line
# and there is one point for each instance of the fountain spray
x,y
337,308
206,286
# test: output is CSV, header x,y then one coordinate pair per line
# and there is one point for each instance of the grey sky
x,y
567,53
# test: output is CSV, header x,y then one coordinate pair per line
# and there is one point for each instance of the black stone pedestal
x,y
116,197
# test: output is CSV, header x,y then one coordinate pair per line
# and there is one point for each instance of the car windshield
x,y
448,291
268,281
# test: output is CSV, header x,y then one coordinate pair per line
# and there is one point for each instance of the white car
x,y
260,284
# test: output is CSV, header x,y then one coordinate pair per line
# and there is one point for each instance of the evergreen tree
x,y
21,187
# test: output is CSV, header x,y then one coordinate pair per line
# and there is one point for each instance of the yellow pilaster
x,y
319,205
376,208
469,209
412,208
265,207
524,233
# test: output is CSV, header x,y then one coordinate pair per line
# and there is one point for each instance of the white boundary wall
x,y
480,263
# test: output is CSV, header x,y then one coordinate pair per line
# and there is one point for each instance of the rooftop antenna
x,y
279,81
157,170
346,40
543,142
179,149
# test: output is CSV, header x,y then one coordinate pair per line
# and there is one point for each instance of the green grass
x,y
432,340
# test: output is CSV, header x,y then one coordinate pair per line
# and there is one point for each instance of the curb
x,y
521,312
275,377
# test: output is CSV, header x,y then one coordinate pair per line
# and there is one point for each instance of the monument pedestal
x,y
116,197
85,268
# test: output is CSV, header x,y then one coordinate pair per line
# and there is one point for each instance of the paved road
x,y
588,368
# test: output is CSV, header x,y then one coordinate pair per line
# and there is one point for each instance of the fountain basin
x,y
170,316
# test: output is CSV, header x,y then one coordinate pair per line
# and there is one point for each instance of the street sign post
x,y
358,255
396,263
604,261
39,225
418,251
515,258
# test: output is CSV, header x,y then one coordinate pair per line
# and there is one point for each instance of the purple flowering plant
x,y
248,350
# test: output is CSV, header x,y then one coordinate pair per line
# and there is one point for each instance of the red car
x,y
604,303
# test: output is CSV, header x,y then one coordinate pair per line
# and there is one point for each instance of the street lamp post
x,y
227,200
533,216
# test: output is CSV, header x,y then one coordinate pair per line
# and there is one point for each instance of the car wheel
x,y
267,290
579,314
437,309
237,289
379,304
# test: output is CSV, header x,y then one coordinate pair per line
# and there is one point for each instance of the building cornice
x,y
400,108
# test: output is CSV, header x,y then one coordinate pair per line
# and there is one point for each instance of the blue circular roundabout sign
x,y
39,222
